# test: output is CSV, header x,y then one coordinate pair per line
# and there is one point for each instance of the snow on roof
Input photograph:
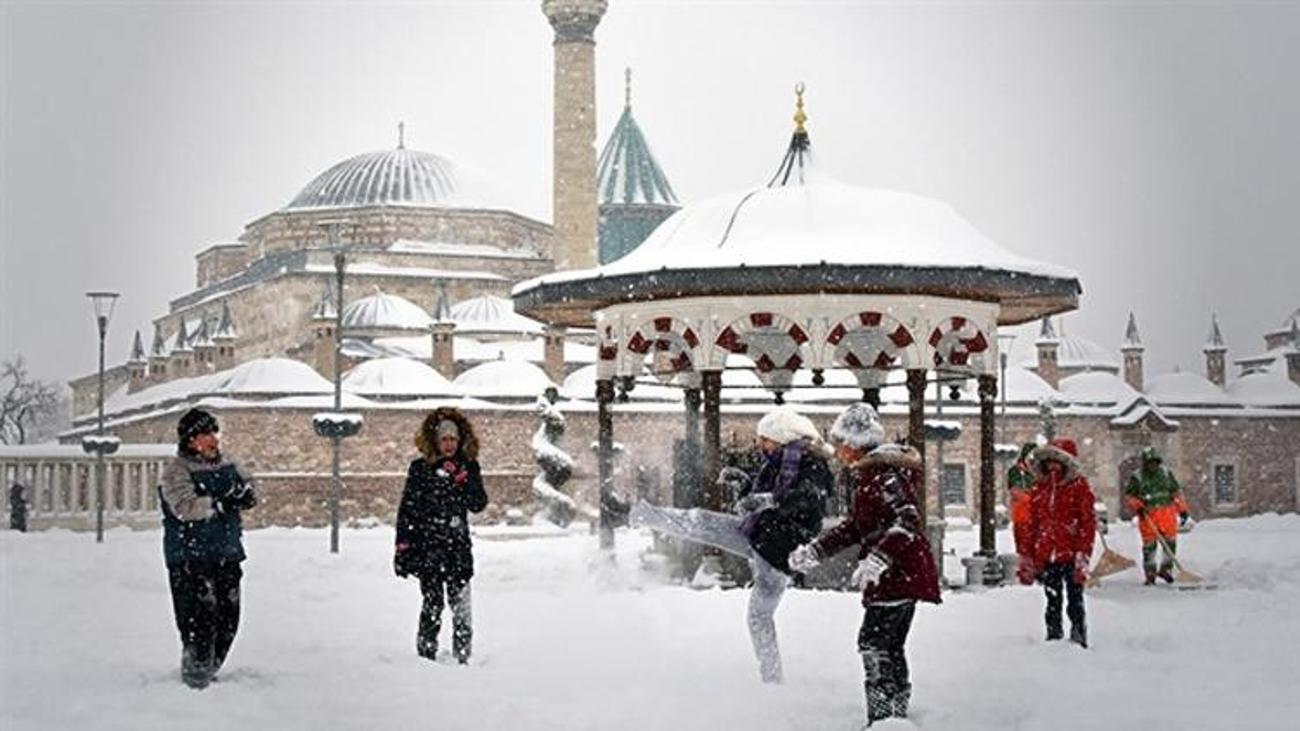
x,y
51,450
581,385
489,314
1185,389
470,349
504,379
320,402
386,312
1269,387
822,221
385,270
397,377
270,376
449,248
1074,352
1097,388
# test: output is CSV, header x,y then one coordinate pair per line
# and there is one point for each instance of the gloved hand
x,y
1183,517
754,502
399,561
869,571
804,558
1026,571
1080,568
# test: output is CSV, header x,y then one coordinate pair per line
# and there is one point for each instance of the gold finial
x,y
627,88
401,135
799,116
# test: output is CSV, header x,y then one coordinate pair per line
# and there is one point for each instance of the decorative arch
x,y
672,342
869,343
775,343
958,344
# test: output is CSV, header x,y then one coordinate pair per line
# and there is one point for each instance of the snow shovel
x,y
1109,563
1185,578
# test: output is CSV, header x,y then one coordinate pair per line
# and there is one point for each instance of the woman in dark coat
x,y
203,495
896,568
780,509
433,544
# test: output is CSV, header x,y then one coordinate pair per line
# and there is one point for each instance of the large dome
x,y
399,177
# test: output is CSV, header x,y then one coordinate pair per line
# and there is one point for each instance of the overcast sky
x,y
1152,147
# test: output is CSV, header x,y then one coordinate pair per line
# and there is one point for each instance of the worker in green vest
x,y
1153,493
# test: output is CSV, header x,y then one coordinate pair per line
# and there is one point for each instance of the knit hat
x,y
784,425
1150,454
194,423
447,427
859,427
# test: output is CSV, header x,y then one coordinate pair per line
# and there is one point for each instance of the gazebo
x,y
803,273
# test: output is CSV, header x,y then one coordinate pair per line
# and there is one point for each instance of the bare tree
x,y
23,400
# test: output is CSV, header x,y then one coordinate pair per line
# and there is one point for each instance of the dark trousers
x,y
458,596
205,599
1055,577
881,642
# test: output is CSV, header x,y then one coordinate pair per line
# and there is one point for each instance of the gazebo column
x,y
988,390
711,456
916,427
691,397
605,457
872,396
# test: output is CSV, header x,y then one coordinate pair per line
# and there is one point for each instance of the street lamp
x,y
1004,346
336,425
100,445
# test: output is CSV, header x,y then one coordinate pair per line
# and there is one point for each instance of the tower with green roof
x,y
632,190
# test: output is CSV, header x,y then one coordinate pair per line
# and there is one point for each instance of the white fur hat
x,y
859,427
784,425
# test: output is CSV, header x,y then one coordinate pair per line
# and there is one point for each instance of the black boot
x,y
195,672
1054,632
1079,634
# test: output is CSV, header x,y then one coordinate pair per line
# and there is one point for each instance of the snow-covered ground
x,y
565,640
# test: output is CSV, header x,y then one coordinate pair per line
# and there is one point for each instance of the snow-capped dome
x,y
397,377
1265,388
382,311
1097,388
1081,353
492,315
399,177
504,379
1185,389
271,375
581,385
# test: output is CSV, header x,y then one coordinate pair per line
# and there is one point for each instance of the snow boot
x,y
194,672
1079,635
1151,579
1166,574
1054,632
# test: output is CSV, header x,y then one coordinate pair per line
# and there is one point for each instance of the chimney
x,y
224,339
1132,350
205,350
158,358
553,352
573,140
322,326
178,360
1215,355
137,367
444,349
1047,345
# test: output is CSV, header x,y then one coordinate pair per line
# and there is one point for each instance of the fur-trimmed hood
x,y
1058,450
891,455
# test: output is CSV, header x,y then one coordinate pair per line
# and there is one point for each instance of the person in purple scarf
x,y
777,510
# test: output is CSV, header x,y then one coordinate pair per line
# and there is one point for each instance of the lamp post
x,y
1004,345
103,303
336,425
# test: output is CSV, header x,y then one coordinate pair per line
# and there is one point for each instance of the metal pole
x,y
99,430
988,388
336,490
605,457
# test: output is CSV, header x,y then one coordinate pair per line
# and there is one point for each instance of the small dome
x,y
382,311
1077,352
271,376
1185,389
1097,388
514,379
397,377
492,315
1265,389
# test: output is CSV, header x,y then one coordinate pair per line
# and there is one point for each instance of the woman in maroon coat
x,y
1062,525
896,568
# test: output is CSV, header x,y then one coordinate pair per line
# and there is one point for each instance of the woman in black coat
x,y
433,544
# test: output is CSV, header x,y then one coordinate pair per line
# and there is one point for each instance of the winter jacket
x,y
201,503
433,517
1062,520
1149,489
798,479
884,520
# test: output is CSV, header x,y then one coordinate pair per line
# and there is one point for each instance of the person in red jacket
x,y
896,568
1060,531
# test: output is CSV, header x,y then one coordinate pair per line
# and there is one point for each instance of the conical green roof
x,y
628,173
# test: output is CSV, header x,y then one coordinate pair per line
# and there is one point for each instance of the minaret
x,y
574,130
138,366
224,339
1132,350
158,357
1215,354
1047,345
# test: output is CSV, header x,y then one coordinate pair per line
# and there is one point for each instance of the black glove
x,y
1183,517
399,565
219,482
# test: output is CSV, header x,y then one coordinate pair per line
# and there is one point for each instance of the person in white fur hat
x,y
896,568
780,508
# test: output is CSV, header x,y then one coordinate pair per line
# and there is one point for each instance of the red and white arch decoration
x,y
672,342
959,344
775,343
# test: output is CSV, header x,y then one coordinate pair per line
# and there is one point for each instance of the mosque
x,y
431,256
